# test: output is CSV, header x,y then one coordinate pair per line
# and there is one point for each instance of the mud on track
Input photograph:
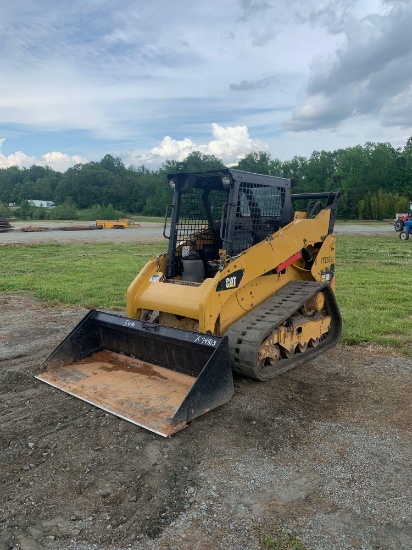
x,y
323,451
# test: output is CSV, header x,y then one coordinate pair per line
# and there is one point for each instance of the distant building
x,y
45,204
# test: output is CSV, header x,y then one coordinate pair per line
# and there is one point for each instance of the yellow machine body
x,y
121,223
201,307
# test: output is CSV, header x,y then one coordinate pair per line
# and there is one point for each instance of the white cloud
x,y
56,160
61,161
228,144
16,159
232,143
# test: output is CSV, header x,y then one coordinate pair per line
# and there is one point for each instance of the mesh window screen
x,y
194,219
258,212
217,199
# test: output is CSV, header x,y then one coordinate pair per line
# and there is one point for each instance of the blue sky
x,y
149,81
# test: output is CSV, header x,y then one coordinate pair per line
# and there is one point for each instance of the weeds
x,y
282,540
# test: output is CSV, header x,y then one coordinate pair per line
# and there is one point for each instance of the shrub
x,y
65,211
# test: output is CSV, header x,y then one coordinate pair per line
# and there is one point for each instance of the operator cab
x,y
221,210
217,215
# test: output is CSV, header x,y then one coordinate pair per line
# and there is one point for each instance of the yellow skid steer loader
x,y
246,285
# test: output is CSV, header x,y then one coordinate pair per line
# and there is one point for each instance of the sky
x,y
153,80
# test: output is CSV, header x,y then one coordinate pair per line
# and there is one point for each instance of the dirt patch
x,y
323,451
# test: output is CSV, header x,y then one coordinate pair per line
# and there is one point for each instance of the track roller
x,y
298,323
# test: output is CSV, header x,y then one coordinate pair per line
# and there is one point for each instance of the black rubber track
x,y
247,334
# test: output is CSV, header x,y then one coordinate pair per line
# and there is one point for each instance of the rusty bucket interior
x,y
157,377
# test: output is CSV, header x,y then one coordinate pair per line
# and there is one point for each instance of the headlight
x,y
226,181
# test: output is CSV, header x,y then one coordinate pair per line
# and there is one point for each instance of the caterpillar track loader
x,y
246,284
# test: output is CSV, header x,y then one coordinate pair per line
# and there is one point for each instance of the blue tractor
x,y
406,231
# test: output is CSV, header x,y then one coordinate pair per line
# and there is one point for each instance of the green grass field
x,y
89,275
374,290
151,219
373,276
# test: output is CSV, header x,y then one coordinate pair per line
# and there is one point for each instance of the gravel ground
x,y
323,451
147,232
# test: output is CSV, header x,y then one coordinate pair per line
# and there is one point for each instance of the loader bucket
x,y
157,377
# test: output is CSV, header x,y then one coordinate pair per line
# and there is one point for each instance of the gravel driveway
x,y
147,232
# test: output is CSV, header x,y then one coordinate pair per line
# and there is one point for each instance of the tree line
x,y
375,181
